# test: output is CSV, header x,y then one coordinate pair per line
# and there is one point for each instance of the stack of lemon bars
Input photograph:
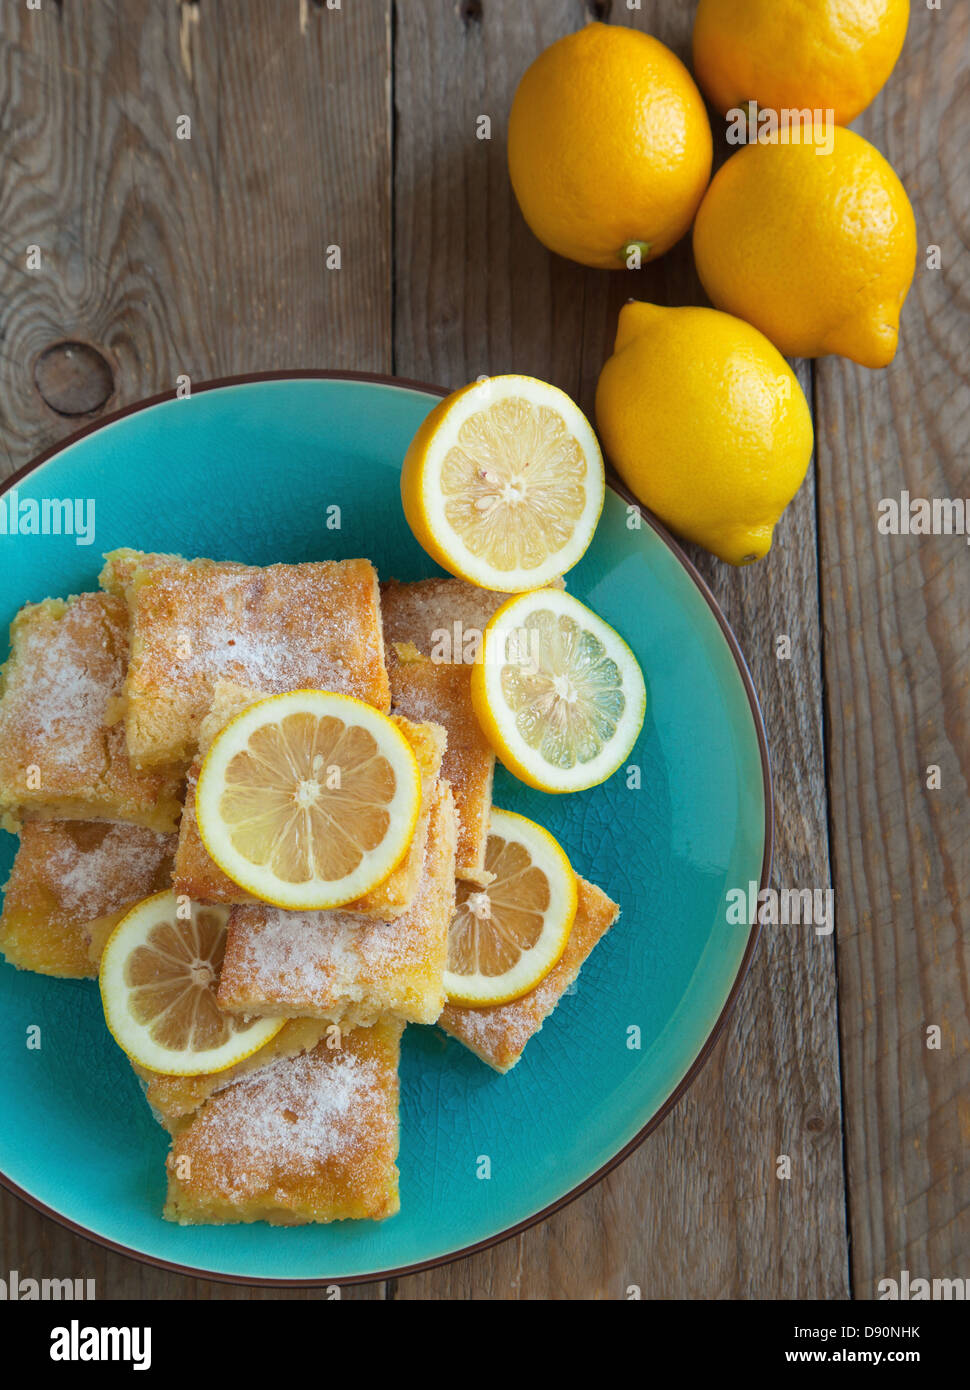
x,y
140,768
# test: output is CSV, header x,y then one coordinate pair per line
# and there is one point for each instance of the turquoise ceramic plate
x,y
247,472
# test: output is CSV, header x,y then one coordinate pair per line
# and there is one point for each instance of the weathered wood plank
x,y
204,256
897,669
698,1211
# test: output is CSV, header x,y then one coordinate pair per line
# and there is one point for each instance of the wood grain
x,y
897,670
205,256
697,1211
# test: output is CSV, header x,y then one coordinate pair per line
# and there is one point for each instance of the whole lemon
x,y
707,425
822,54
609,146
816,249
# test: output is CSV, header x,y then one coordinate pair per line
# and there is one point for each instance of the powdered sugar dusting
x,y
67,670
274,629
293,1117
67,696
100,868
510,1026
242,653
418,612
427,691
323,960
322,964
302,957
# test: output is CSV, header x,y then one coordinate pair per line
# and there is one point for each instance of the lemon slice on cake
x,y
558,693
159,975
503,483
308,800
504,939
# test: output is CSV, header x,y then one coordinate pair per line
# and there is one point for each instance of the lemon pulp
x,y
514,484
503,483
504,939
158,977
558,693
171,979
308,799
569,701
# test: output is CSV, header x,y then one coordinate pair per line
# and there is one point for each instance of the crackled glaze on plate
x,y
248,472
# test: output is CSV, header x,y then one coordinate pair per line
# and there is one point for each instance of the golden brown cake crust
x,y
430,640
71,883
498,1035
281,627
336,966
62,748
307,1139
421,611
121,565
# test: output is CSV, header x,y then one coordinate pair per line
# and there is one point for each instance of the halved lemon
x,y
503,483
308,799
159,975
558,693
504,939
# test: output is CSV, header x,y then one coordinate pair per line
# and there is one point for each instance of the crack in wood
x,y
188,20
305,8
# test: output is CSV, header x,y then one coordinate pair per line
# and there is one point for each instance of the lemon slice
x,y
159,975
505,938
503,483
557,692
308,799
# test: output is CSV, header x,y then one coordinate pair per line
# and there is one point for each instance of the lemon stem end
x,y
642,248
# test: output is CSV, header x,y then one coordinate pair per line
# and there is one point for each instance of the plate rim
x,y
699,1062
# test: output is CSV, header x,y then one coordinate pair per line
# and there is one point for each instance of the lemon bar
x,y
333,965
201,879
71,883
120,567
284,627
174,1098
432,633
312,1138
62,746
498,1034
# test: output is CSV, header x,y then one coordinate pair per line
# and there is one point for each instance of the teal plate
x,y
247,470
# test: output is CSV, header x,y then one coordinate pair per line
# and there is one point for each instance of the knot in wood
x,y
73,378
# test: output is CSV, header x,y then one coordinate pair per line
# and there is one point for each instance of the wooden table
x,y
313,127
